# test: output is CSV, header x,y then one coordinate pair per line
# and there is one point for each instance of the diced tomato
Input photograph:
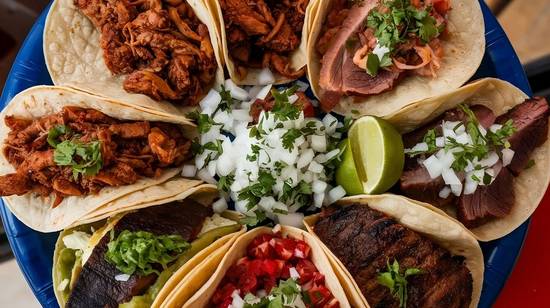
x,y
305,269
222,294
441,6
284,247
260,105
238,269
260,248
269,283
256,267
319,295
305,104
302,250
273,267
318,278
415,3
285,273
248,283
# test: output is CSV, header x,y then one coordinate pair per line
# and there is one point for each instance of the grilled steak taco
x,y
66,153
480,153
134,259
262,42
279,267
156,54
375,56
391,252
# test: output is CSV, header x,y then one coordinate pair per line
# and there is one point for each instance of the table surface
x,y
28,70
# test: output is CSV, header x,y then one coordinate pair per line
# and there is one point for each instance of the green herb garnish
x,y
397,282
84,158
290,137
253,220
225,182
282,109
56,132
137,252
373,64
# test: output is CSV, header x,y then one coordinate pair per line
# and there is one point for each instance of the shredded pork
x,y
161,45
129,150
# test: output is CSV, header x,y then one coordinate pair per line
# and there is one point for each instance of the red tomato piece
x,y
259,247
273,267
305,269
238,269
305,104
284,248
319,295
285,273
302,250
248,283
223,294
441,6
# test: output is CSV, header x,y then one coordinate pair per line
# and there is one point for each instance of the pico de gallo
x,y
276,272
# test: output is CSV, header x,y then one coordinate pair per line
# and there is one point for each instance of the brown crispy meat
x,y
130,150
264,33
161,45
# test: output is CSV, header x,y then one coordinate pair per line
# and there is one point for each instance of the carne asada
x,y
375,248
79,151
468,158
162,46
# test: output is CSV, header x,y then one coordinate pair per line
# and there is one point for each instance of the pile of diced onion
x,y
439,164
305,160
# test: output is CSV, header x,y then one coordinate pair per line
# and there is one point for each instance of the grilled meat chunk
x,y
365,239
163,46
531,123
96,285
129,150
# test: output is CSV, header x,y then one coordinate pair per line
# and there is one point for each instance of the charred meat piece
x,y
531,123
96,285
487,202
365,239
129,151
161,45
264,33
267,104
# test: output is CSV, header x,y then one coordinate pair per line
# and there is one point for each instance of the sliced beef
x,y
487,202
416,183
531,122
96,285
365,240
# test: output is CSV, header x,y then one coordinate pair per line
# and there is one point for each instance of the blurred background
x,y
527,23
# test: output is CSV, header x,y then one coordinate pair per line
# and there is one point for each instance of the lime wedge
x,y
346,173
377,150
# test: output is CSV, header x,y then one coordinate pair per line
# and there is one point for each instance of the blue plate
x,y
34,250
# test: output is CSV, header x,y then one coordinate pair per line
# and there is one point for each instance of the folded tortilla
x,y
65,259
438,227
74,57
36,211
499,96
463,49
297,58
202,297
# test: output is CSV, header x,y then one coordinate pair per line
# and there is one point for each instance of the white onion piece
x,y
293,273
446,158
302,86
122,277
189,171
266,77
330,123
433,166
507,156
219,206
237,302
482,130
450,178
445,192
336,194
315,167
262,94
319,187
332,154
470,186
305,159
440,142
490,160
236,91
318,143
293,98
495,127
456,189
204,175
241,115
291,219
318,199
210,101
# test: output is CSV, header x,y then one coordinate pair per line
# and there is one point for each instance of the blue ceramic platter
x,y
34,250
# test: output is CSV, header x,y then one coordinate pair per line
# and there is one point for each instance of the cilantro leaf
x,y
84,158
225,182
397,282
56,132
289,137
373,64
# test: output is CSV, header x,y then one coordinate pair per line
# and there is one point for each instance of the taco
x,y
66,153
480,154
391,252
160,55
279,267
135,258
262,42
375,56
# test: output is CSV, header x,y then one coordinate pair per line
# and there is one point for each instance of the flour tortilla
x,y
500,96
298,58
203,194
35,211
74,57
463,53
446,232
202,297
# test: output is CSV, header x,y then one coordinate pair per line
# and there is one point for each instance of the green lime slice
x,y
346,173
377,150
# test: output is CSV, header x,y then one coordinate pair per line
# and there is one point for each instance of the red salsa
x,y
274,269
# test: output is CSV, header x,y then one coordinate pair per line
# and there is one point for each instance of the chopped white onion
x,y
293,273
433,166
450,178
241,115
318,199
122,277
262,94
189,171
319,187
219,206
236,91
266,77
445,192
291,219
440,142
336,193
293,98
419,147
507,156
237,302
490,160
315,167
318,143
470,186
204,175
305,159
210,101
456,189
495,127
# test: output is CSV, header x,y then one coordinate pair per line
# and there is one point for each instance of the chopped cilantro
x,y
397,282
56,132
373,64
225,182
253,220
84,158
289,137
282,109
